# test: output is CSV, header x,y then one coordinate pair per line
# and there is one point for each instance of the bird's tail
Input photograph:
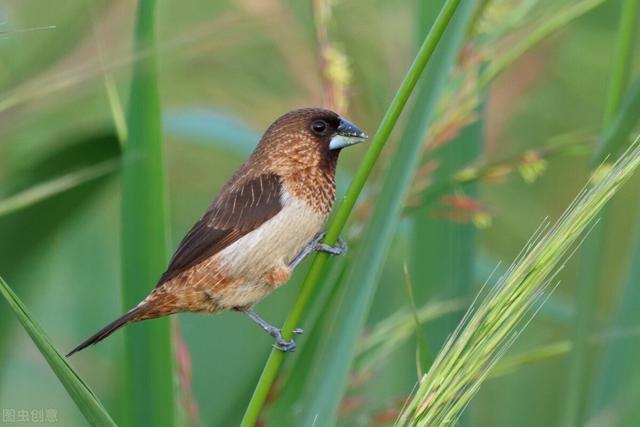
x,y
131,316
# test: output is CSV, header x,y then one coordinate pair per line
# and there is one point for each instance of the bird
x,y
265,220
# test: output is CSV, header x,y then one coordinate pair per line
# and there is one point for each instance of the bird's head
x,y
309,136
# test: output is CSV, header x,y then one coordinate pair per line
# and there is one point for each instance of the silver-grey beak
x,y
347,134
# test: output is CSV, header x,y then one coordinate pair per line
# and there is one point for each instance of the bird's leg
x,y
316,244
281,343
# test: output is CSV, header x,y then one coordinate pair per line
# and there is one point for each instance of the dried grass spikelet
x,y
334,63
494,321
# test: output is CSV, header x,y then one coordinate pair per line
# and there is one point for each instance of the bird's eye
x,y
319,127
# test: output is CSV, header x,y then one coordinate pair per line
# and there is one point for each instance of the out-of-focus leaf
x,y
620,357
210,127
148,398
65,178
446,268
618,121
55,186
77,389
392,332
616,135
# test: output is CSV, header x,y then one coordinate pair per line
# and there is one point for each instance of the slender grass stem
x,y
338,222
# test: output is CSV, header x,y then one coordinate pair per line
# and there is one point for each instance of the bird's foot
x,y
340,248
282,344
316,244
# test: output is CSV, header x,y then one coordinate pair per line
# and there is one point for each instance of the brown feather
x,y
235,212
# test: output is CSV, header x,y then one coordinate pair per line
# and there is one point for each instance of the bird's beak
x,y
347,134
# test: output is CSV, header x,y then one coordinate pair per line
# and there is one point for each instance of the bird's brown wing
x,y
237,211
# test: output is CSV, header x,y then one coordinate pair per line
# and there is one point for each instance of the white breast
x,y
274,243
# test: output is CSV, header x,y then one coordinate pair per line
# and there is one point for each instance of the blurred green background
x,y
226,70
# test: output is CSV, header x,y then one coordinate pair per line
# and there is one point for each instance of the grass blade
x,y
211,128
616,135
77,389
622,59
339,220
149,394
490,327
591,271
55,186
424,357
620,357
389,334
449,264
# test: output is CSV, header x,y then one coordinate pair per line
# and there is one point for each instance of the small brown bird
x,y
265,220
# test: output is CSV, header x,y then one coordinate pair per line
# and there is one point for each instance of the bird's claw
x,y
282,344
340,248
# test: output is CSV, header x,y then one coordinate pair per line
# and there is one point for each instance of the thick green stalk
x,y
590,264
148,397
339,220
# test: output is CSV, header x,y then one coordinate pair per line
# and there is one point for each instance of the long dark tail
x,y
109,329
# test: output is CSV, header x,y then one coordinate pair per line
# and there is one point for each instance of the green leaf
x,y
77,389
616,136
149,395
620,357
52,187
212,128
447,268
617,124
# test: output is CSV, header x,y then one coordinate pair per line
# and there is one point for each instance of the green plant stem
x,y
591,261
148,398
338,222
447,269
